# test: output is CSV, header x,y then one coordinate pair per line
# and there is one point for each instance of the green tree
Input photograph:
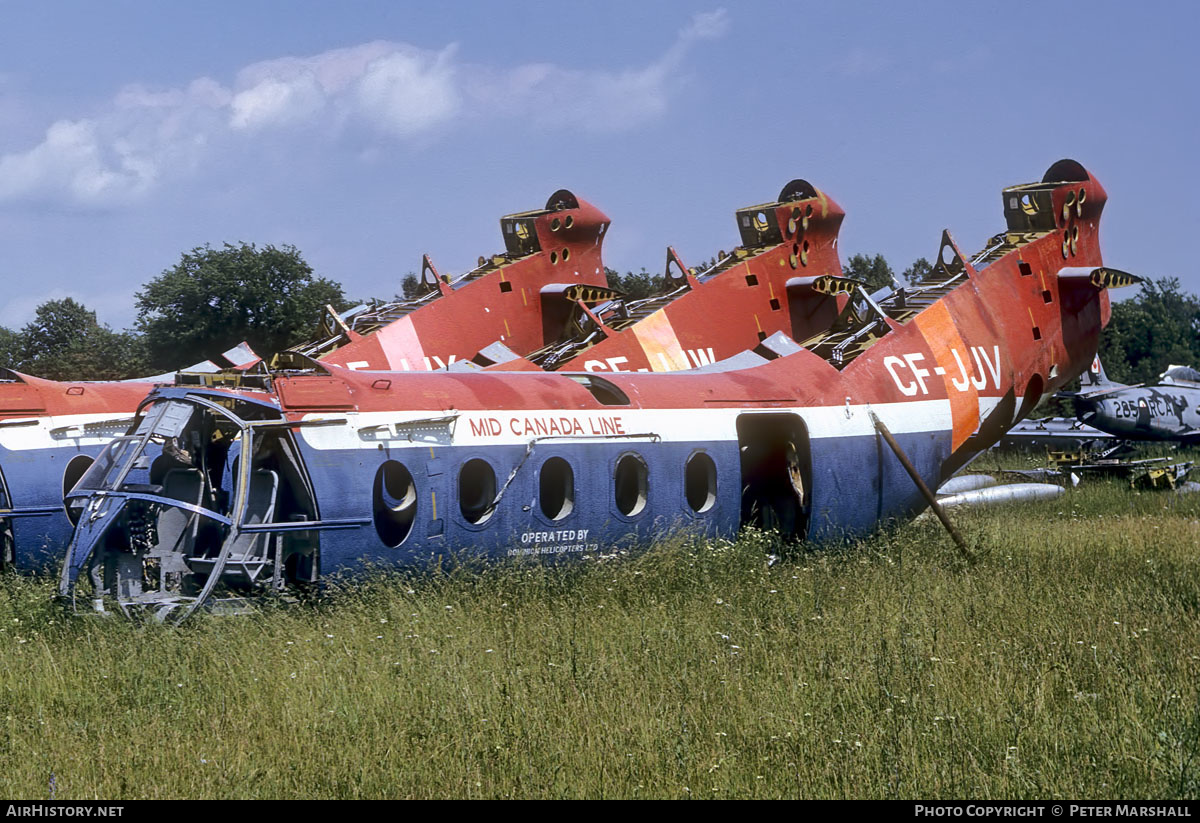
x,y
1150,331
10,348
216,298
66,342
635,286
917,272
410,287
874,271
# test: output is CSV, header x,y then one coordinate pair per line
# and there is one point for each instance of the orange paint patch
x,y
939,331
658,340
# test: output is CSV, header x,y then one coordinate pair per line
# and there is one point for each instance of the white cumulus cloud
x,y
277,103
73,161
408,92
387,91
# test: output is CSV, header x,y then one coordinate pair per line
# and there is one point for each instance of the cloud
x,y
277,103
550,96
119,155
406,93
381,90
707,25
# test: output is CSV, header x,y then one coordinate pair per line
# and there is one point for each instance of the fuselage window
x,y
630,483
476,490
76,468
394,502
700,482
556,488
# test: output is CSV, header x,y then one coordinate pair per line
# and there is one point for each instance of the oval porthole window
x,y
630,485
76,468
394,503
476,490
700,482
556,488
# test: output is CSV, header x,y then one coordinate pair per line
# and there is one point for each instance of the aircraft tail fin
x,y
1092,383
1094,379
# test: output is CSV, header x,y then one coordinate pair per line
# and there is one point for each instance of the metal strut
x,y
930,498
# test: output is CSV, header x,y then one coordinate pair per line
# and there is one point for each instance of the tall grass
x,y
1062,663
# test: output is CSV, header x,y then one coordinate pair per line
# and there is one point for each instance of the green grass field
x,y
1062,664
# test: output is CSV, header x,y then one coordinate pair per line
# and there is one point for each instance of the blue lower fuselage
x,y
34,479
855,483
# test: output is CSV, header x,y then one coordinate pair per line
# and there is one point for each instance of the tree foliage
x,y
66,342
410,287
10,347
917,272
215,298
1150,331
874,271
635,286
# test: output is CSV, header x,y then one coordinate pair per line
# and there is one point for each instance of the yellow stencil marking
x,y
939,331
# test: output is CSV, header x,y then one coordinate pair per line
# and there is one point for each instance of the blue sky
x,y
367,133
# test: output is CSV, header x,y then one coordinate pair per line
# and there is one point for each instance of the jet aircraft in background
x,y
1167,411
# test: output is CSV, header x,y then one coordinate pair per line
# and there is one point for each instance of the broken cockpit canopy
x,y
176,512
1181,375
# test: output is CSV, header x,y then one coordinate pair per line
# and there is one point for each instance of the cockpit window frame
x,y
246,429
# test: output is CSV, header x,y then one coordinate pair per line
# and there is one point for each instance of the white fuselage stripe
x,y
519,427
52,432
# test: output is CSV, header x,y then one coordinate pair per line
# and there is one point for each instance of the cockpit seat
x,y
249,552
175,525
